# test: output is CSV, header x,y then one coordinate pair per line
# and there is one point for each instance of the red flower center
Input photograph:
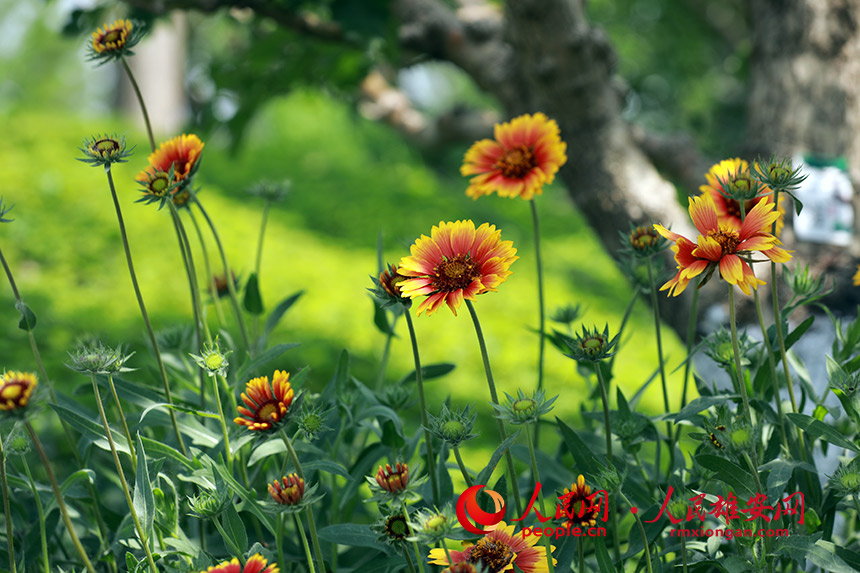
x,y
269,412
733,208
493,554
455,273
517,162
727,239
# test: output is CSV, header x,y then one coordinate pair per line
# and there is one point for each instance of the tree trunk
x,y
803,98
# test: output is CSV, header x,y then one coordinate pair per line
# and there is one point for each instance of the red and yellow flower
x,y
498,551
256,564
524,156
455,262
578,510
857,276
182,153
722,243
113,38
267,404
289,490
16,389
393,480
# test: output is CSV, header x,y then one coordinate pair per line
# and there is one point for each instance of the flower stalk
x,y
10,542
311,523
541,310
536,475
43,534
59,496
503,435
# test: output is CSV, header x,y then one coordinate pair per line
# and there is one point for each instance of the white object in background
x,y
828,215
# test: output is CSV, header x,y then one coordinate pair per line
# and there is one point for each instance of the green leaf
x,y
351,534
250,498
28,317
582,456
327,466
485,474
253,302
380,411
263,359
700,404
819,412
818,552
604,562
278,312
236,535
728,472
91,430
430,371
798,332
818,429
380,319
144,502
362,467
164,451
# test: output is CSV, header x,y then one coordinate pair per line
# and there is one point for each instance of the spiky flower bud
x,y
209,504
430,526
393,480
591,345
96,358
565,314
289,490
719,348
778,174
105,150
453,426
643,241
212,359
387,288
524,409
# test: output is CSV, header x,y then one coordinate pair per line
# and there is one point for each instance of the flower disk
x,y
113,38
267,404
16,389
499,550
455,262
256,564
524,156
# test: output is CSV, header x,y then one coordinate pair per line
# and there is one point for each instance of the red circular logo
x,y
467,506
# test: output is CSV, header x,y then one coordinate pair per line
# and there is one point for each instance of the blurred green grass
x,y
352,179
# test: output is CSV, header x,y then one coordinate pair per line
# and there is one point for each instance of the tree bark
x,y
803,98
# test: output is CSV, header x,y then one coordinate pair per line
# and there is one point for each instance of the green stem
x,y
386,352
646,547
536,475
223,421
41,512
503,435
419,378
691,338
627,313
231,288
856,506
684,553
581,552
168,395
541,309
742,385
608,430
121,474
67,430
140,100
409,560
62,504
260,240
462,466
122,418
414,543
670,433
304,537
6,509
216,301
772,367
311,522
447,551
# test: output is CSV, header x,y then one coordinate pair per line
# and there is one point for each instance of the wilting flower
x,y
455,262
180,155
104,150
267,405
577,505
453,426
721,244
212,359
16,389
288,490
524,409
392,529
256,564
525,155
499,550
114,42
